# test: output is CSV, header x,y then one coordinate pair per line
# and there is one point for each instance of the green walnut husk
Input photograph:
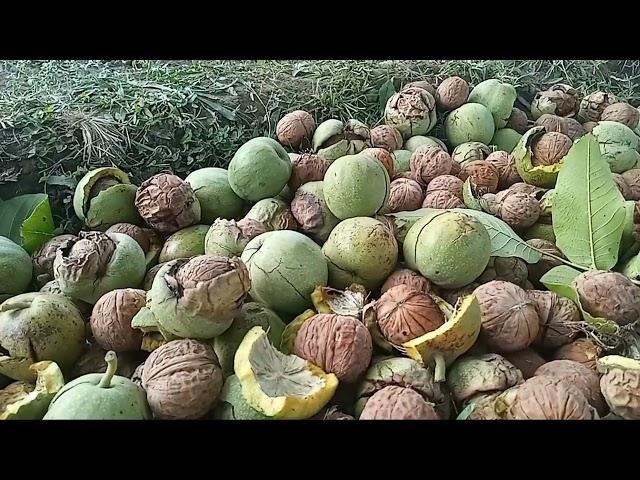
x,y
470,151
356,186
185,243
472,122
251,315
37,327
411,111
105,196
16,269
505,139
360,250
96,263
195,298
227,238
25,401
100,396
498,97
259,169
274,214
416,141
435,244
233,405
618,145
334,139
217,198
544,176
285,267
402,160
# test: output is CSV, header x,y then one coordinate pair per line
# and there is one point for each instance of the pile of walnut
x,y
531,359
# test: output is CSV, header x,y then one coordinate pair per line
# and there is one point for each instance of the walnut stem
x,y
112,366
440,367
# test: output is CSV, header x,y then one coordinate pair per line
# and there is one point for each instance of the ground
x,y
60,118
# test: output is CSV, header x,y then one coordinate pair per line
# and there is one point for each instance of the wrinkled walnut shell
x,y
43,258
411,279
550,148
338,344
505,164
404,314
518,121
553,123
182,379
429,162
449,183
509,318
111,320
484,176
621,390
385,157
517,208
387,137
621,112
404,195
581,350
452,93
167,203
632,180
307,167
527,361
398,403
559,319
442,199
296,129
609,295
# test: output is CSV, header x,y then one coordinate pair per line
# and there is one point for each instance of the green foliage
x,y
27,220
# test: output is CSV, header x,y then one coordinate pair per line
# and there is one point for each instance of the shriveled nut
x,y
411,279
592,106
405,195
167,203
404,314
111,320
43,258
182,379
580,376
509,269
632,179
484,175
575,129
387,137
622,185
296,129
518,121
518,209
581,350
452,93
621,390
423,84
449,183
509,318
429,162
385,157
146,238
307,167
527,361
548,398
398,403
338,344
553,123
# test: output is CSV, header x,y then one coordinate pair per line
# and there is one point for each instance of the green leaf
x,y
27,220
560,280
504,241
469,196
387,90
588,209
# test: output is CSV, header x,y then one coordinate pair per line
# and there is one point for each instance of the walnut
x,y
592,106
404,314
581,350
411,279
111,320
296,129
527,361
559,319
423,84
550,148
442,199
484,175
517,121
621,390
429,162
338,344
581,376
559,100
182,379
623,113
548,398
546,263
575,129
505,164
146,238
398,403
623,186
509,318
609,295
453,295
509,269
405,195
553,123
43,258
387,137
452,93
448,183
385,157
589,126
632,179
167,203
518,208
307,167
